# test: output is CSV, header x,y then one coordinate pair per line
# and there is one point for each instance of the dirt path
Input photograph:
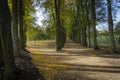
x,y
82,63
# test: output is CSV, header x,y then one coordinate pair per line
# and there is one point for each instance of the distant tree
x,y
60,30
58,24
117,28
117,31
93,14
110,25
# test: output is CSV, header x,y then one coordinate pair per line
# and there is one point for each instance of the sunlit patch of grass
x,y
49,66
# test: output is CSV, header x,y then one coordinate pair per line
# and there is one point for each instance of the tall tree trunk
x,y
95,46
21,29
16,44
1,49
110,23
58,24
88,22
1,54
78,21
6,40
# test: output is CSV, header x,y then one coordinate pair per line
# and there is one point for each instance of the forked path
x,y
83,63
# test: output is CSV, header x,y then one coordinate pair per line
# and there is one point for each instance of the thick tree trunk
x,y
1,54
64,36
110,23
1,49
16,44
21,28
58,24
6,40
95,46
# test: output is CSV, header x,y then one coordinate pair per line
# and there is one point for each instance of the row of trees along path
x,y
13,18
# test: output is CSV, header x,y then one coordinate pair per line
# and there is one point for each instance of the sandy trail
x,y
83,63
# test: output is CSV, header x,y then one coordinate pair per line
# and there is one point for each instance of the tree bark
x,y
88,22
110,24
6,40
16,43
1,49
1,54
93,14
21,28
58,24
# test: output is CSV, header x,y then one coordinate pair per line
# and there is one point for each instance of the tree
x,y
110,25
60,31
84,16
57,10
21,28
88,22
26,11
6,40
1,47
1,50
15,36
93,15
117,28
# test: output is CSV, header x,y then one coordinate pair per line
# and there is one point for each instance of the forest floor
x,y
74,62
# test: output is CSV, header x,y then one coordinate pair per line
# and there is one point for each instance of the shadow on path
x,y
82,63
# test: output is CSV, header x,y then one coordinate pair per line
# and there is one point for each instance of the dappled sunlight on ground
x,y
74,62
47,65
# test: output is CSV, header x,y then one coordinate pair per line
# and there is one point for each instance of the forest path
x,y
74,62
